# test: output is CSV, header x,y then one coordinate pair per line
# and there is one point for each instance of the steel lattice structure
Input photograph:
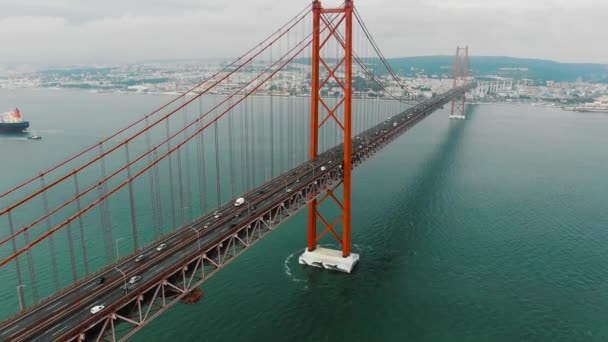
x,y
461,75
320,23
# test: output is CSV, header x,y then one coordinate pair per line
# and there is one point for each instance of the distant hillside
x,y
535,69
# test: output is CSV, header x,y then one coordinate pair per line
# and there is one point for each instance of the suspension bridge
x,y
192,185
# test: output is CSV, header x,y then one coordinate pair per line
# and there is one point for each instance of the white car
x,y
217,214
140,258
323,168
134,279
97,308
161,247
239,202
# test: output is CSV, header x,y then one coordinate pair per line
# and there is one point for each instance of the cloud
x,y
71,32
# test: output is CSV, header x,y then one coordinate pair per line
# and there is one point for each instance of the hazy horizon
x,y
185,60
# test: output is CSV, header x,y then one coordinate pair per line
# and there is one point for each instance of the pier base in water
x,y
330,259
459,117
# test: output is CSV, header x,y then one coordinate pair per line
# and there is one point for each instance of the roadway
x,y
69,309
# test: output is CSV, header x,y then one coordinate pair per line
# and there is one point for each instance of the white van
x,y
239,202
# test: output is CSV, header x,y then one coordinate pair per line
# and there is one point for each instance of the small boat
x,y
34,137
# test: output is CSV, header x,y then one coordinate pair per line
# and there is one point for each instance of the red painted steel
x,y
348,51
314,122
461,74
345,15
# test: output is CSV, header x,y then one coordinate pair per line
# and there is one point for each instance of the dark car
x,y
101,280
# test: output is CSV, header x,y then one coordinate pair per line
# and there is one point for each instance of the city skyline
x,y
69,32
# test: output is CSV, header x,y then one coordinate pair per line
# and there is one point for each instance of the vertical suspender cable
x,y
85,258
153,187
289,115
30,266
242,148
246,144
217,165
49,226
180,187
261,136
231,151
187,166
281,141
252,122
104,209
171,183
200,149
71,248
132,202
17,263
271,101
158,197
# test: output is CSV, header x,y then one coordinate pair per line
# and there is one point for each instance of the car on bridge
x,y
97,308
239,201
140,258
134,279
161,247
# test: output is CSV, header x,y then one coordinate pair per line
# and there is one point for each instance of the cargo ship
x,y
12,121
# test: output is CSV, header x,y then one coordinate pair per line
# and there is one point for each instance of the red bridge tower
x,y
332,24
461,73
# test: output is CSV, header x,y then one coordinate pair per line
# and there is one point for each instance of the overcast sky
x,y
53,32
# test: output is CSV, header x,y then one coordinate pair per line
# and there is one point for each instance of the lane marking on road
x,y
11,329
58,332
54,305
53,328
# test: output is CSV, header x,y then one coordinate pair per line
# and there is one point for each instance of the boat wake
x,y
11,139
288,264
